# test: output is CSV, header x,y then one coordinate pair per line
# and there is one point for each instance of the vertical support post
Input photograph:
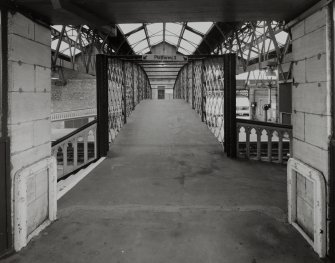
x,y
187,82
6,244
193,107
133,75
124,84
143,86
230,104
102,105
202,91
331,58
138,84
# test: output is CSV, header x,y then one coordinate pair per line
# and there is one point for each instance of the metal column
x,y
230,132
102,106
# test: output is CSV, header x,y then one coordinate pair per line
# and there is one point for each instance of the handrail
x,y
275,145
73,114
266,124
66,137
75,150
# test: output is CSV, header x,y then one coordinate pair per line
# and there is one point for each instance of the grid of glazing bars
x,y
128,85
201,83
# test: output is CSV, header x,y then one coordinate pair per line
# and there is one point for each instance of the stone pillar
x,y
311,116
29,127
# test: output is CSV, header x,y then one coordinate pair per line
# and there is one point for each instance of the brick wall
x,y
29,110
75,95
78,93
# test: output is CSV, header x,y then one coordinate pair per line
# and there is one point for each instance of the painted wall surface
x,y
311,116
29,125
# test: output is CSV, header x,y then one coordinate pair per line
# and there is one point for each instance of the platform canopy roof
x,y
141,24
106,12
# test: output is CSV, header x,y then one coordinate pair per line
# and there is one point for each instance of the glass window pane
x,y
183,51
172,39
126,28
194,38
187,46
136,37
155,28
202,27
174,28
156,39
140,46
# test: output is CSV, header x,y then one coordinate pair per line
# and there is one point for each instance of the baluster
x,y
259,143
85,137
269,133
280,147
75,153
247,141
95,141
290,142
238,130
64,148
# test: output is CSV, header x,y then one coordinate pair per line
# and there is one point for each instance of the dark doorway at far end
x,y
161,92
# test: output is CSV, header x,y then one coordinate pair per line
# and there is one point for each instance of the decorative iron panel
x,y
127,86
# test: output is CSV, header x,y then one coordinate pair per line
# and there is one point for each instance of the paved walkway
x,y
168,194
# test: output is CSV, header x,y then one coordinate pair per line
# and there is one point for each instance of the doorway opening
x,y
161,92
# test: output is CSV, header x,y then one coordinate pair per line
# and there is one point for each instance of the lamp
x,y
270,69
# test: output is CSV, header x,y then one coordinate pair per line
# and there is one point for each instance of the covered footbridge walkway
x,y
167,193
121,139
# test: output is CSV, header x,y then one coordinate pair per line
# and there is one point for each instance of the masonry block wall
x,y
311,117
77,94
29,110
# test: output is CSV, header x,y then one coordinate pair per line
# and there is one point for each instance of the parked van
x,y
242,106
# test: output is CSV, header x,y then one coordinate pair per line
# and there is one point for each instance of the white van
x,y
242,106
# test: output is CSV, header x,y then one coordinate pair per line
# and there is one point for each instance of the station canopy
x,y
185,36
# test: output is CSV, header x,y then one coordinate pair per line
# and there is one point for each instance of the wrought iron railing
x,y
128,85
75,150
201,84
209,85
264,141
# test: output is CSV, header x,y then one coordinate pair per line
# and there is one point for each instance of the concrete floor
x,y
168,194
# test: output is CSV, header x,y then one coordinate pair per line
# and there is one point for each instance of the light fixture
x,y
270,70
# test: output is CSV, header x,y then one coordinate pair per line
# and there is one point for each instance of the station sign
x,y
164,58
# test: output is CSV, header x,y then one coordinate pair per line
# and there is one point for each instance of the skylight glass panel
x,y
63,46
174,28
194,38
57,27
202,27
281,37
183,51
172,39
141,46
72,34
187,46
136,37
155,28
126,28
156,39
144,51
